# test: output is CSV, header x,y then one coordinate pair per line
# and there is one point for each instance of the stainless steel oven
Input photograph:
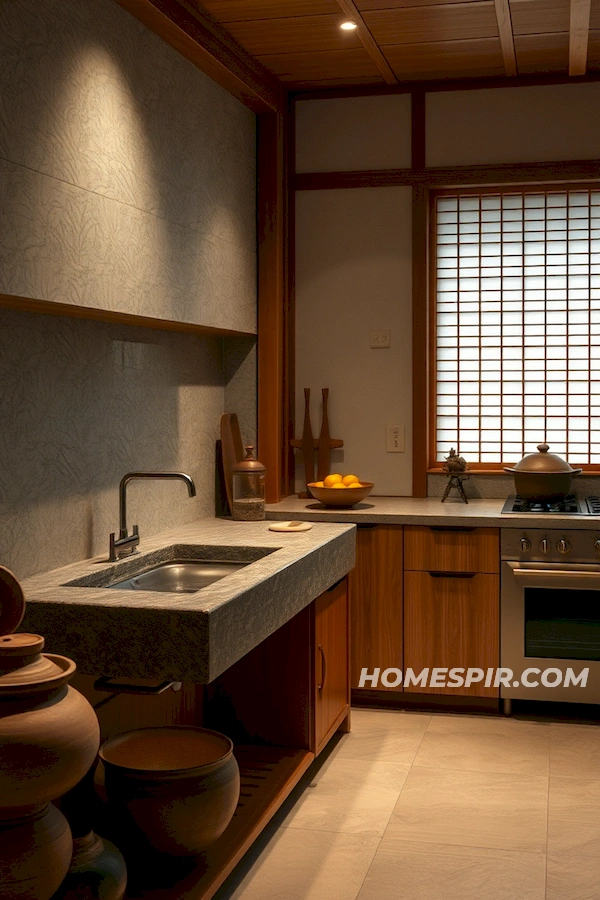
x,y
550,615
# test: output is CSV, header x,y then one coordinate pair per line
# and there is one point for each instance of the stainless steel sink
x,y
184,576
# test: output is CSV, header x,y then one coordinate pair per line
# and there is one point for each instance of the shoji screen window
x,y
517,324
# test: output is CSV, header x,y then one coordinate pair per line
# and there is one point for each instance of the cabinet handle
x,y
453,574
333,586
106,684
323,667
464,528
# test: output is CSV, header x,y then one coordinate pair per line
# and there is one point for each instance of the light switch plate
x,y
379,340
395,439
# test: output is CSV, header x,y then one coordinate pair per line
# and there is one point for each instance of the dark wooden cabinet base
x,y
280,704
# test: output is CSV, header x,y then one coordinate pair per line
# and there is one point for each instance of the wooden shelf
x,y
268,775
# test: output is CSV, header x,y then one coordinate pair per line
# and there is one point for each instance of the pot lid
x,y
543,462
249,465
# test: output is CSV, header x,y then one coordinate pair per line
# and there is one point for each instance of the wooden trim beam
x,y
507,40
206,44
52,308
579,30
350,9
417,130
510,173
435,87
420,331
271,302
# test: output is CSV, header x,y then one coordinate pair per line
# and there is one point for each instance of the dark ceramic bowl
x,y
173,789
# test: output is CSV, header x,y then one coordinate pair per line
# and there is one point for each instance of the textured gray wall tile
x,y
81,404
132,184
239,363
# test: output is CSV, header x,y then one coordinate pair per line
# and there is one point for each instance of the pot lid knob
x,y
543,448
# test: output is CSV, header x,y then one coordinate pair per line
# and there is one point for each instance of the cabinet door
x,y
375,586
331,669
451,622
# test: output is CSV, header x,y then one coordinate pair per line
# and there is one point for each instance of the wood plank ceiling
x,y
301,42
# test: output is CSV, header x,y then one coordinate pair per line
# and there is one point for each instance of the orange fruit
x,y
348,479
355,484
331,480
318,484
339,484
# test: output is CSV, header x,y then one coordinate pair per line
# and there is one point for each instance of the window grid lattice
x,y
518,324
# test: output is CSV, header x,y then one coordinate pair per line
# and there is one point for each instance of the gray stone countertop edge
x,y
187,637
425,511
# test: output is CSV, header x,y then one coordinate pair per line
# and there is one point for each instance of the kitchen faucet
x,y
127,543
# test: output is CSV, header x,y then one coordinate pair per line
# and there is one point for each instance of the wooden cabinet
x,y
451,622
447,548
331,663
451,604
375,586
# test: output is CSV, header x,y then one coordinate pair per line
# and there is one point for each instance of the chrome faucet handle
x,y
124,546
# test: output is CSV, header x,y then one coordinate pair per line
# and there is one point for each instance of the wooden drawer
x,y
444,548
451,622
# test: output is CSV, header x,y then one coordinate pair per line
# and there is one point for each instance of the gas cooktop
x,y
570,506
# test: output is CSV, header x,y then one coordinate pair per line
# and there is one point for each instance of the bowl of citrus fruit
x,y
340,490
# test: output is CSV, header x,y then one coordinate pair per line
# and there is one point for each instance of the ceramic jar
x,y
172,789
49,736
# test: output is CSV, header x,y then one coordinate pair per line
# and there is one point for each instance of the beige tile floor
x,y
413,806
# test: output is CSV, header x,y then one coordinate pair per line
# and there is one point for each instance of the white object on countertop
x,y
290,526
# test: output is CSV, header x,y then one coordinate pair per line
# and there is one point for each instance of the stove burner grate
x,y
569,506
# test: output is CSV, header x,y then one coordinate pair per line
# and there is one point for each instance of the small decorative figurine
x,y
456,468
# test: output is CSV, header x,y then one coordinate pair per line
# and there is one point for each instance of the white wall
x,y
354,245
353,275
511,125
353,133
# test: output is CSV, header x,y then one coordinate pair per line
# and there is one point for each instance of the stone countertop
x,y
425,511
182,636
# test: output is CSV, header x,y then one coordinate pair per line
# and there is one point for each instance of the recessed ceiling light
x,y
348,26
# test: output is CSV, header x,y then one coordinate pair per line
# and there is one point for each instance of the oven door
x,y
550,619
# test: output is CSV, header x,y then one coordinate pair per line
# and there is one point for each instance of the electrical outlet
x,y
394,439
379,340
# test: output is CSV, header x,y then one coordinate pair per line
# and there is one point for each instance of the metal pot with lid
x,y
543,476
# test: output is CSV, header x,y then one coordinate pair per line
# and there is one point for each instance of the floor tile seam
x,y
369,867
463,771
460,847
586,778
466,846
373,834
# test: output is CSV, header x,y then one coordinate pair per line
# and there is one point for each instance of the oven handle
x,y
557,577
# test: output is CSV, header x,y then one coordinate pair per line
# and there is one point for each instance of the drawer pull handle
x,y
464,528
323,667
453,574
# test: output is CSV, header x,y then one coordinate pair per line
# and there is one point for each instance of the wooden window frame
x,y
433,464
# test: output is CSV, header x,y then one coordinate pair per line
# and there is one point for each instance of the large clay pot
x,y
97,871
35,852
49,736
173,789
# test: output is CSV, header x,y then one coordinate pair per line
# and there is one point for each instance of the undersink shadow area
x,y
181,553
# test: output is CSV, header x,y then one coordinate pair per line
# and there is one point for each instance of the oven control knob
x,y
597,546
526,545
543,546
563,546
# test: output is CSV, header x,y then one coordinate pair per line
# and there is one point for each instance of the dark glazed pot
x,y
542,476
173,789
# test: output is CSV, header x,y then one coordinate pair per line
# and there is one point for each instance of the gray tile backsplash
x,y
81,404
127,176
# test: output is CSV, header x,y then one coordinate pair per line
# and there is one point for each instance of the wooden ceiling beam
x,y
350,10
199,38
579,30
507,40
